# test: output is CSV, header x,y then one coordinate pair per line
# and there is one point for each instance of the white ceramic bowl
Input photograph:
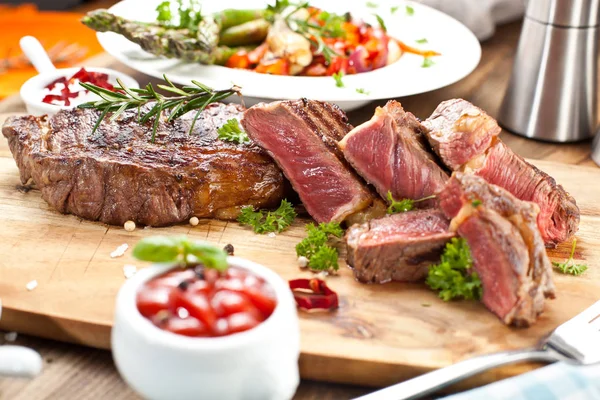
x,y
32,91
258,364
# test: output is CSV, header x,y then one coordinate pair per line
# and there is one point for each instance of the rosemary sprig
x,y
185,99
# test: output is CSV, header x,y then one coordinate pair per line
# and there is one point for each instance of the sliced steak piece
x,y
302,137
117,174
399,247
558,219
389,152
458,132
465,139
508,250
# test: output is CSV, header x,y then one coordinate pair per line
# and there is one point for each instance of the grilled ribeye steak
x,y
507,247
117,174
399,247
390,152
465,138
302,137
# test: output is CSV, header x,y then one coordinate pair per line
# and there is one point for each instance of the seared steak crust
x,y
302,137
117,174
521,273
465,138
399,247
459,131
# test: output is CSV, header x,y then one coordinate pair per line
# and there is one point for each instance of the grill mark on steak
x,y
117,175
389,152
486,236
302,137
465,138
399,247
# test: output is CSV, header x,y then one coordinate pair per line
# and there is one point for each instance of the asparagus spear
x,y
247,33
231,17
166,42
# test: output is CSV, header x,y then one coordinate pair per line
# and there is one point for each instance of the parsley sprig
x,y
232,132
188,98
268,221
403,205
321,256
569,266
453,276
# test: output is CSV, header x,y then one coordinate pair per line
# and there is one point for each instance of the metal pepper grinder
x,y
551,95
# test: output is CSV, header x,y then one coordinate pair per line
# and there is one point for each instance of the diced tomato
x,y
235,273
279,66
240,322
198,305
204,302
258,53
189,326
337,64
226,302
239,60
152,300
264,302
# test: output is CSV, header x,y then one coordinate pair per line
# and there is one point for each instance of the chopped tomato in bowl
x,y
199,333
202,302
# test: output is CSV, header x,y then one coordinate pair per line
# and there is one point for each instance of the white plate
x,y
460,51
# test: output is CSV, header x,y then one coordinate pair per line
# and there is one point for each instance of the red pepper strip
x,y
409,49
311,294
52,84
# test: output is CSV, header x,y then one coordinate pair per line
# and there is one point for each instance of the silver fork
x,y
576,341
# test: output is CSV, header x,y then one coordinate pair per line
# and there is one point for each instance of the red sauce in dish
x,y
202,302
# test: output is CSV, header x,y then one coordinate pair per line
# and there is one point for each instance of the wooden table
x,y
74,372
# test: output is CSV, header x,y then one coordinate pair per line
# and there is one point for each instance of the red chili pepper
x,y
312,294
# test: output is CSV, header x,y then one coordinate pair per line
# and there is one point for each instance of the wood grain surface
x,y
76,372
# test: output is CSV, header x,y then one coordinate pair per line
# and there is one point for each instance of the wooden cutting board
x,y
380,335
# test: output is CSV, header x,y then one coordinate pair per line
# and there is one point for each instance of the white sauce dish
x,y
34,90
257,364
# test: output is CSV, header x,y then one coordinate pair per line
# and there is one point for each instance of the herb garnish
x,y
410,10
371,4
362,91
427,62
338,79
452,276
569,267
179,249
381,22
330,27
187,98
189,15
164,12
321,256
422,41
403,205
268,221
232,132
476,203
394,9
